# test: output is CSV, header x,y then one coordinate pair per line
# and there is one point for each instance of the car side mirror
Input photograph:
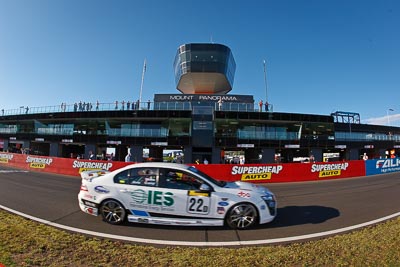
x,y
205,187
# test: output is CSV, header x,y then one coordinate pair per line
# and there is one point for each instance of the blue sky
x,y
322,56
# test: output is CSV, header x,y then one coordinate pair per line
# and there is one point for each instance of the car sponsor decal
x,y
220,210
101,190
243,194
198,193
140,213
89,203
223,203
91,210
152,200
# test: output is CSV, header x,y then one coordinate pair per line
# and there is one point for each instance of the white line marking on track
x,y
203,244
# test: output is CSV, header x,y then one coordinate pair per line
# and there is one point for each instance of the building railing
x,y
90,106
347,136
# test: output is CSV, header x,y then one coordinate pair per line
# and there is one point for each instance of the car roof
x,y
157,165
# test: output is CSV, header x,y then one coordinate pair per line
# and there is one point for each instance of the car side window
x,y
138,176
176,179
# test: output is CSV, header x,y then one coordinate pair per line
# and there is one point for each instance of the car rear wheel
x,y
242,216
112,211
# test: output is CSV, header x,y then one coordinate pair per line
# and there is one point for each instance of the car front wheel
x,y
242,216
112,211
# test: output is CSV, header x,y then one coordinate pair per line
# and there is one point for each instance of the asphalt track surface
x,y
306,210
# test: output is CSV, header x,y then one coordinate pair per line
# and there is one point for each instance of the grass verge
x,y
27,243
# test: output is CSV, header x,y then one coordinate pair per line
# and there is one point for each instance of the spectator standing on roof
x,y
128,157
220,103
266,106
260,104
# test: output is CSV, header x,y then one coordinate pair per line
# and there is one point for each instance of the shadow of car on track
x,y
286,216
300,215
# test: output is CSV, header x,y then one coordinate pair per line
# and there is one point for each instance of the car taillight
x,y
84,187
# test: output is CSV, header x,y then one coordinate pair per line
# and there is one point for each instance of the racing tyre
x,y
112,212
242,216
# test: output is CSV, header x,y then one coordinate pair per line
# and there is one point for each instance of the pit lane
x,y
306,210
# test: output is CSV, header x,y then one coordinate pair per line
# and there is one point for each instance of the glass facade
x,y
348,136
205,58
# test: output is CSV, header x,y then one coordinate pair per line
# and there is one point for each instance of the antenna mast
x,y
265,80
141,85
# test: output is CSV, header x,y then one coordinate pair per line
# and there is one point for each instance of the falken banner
x,y
380,166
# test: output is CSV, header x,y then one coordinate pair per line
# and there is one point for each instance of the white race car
x,y
173,194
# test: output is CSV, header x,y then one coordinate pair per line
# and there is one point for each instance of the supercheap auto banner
x,y
65,166
255,173
288,172
380,166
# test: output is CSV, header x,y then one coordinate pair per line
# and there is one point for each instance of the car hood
x,y
247,187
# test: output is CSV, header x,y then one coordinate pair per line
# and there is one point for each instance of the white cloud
x,y
392,120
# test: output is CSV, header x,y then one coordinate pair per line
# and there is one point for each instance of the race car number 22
x,y
198,205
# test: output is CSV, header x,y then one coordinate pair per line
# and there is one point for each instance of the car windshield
x,y
207,177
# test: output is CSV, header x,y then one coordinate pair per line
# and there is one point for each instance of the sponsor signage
x,y
206,98
329,170
292,146
38,162
341,146
5,158
159,143
369,146
39,139
287,172
245,145
114,142
380,166
91,165
67,140
256,173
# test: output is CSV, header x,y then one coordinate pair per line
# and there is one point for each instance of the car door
x,y
184,187
137,189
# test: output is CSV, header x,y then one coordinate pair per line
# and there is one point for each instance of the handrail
x,y
96,106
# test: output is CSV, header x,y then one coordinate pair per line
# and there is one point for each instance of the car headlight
x,y
270,201
268,197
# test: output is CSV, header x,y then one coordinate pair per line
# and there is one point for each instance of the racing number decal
x,y
198,205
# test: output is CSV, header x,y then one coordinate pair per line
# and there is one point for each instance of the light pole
x,y
387,113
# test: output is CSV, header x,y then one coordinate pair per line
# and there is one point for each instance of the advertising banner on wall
x,y
254,173
288,172
64,166
380,166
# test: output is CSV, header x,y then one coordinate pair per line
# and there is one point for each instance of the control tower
x,y
204,68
